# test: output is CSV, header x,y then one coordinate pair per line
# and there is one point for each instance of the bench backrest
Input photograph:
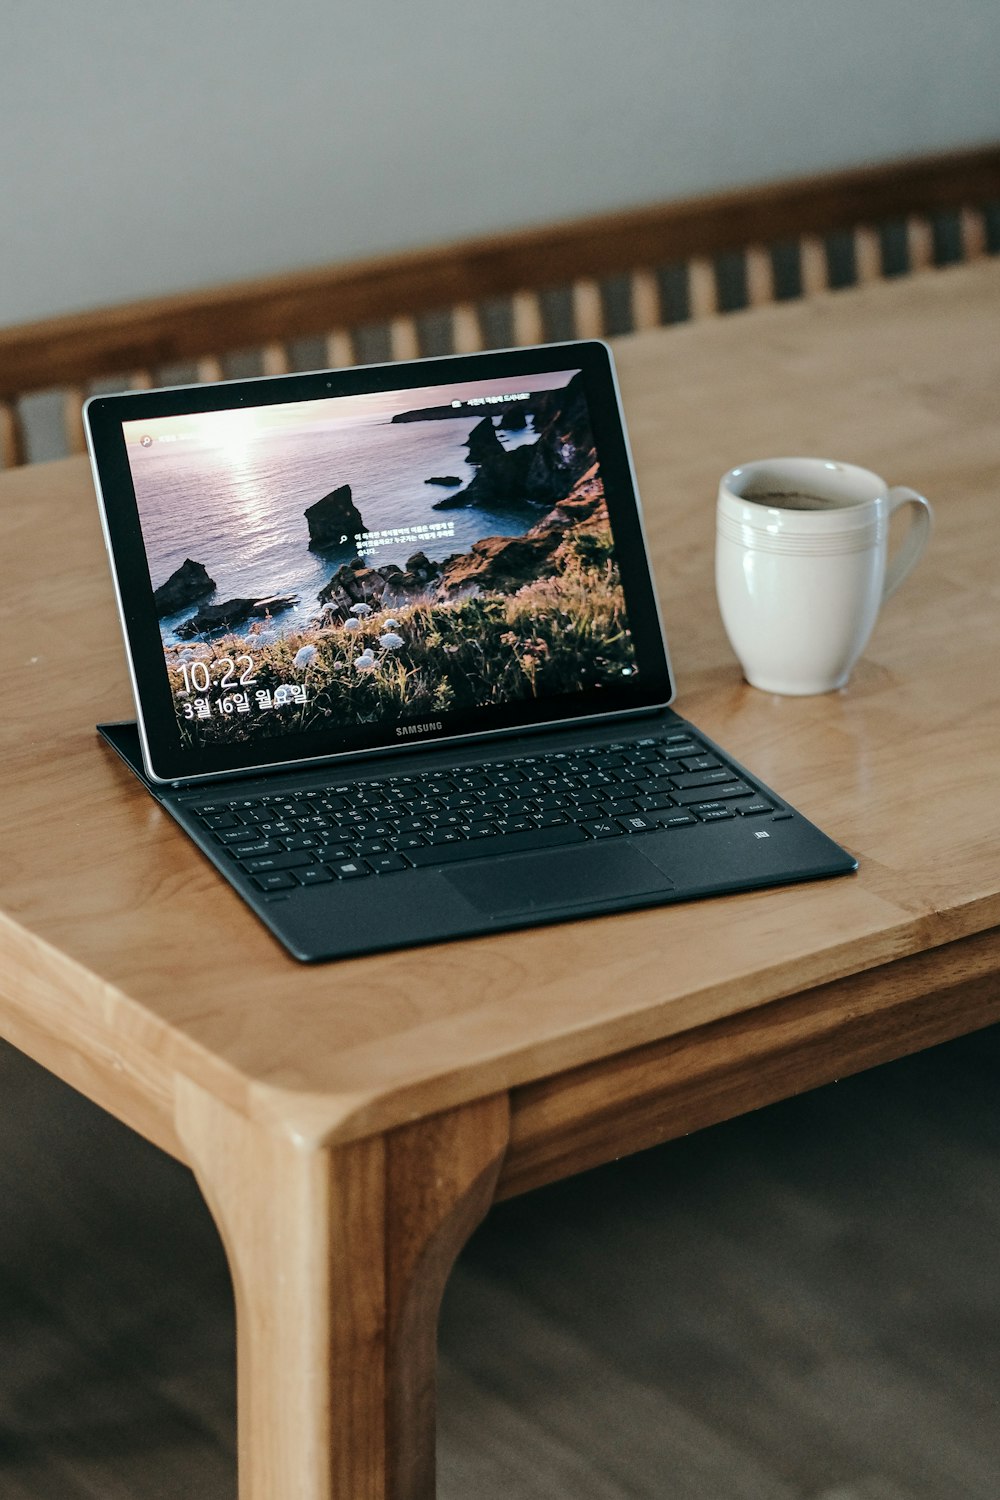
x,y
587,278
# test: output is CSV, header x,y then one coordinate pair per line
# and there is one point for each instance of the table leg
x,y
339,1257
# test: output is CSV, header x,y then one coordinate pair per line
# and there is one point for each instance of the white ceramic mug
x,y
802,567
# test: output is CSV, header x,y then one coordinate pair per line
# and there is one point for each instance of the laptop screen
x,y
332,572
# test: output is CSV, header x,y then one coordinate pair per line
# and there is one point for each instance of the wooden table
x,y
350,1123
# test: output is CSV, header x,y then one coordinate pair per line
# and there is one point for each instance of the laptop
x,y
397,657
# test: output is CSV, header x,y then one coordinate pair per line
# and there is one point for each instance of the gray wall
x,y
155,145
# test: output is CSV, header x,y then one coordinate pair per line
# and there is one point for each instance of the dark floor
x,y
800,1305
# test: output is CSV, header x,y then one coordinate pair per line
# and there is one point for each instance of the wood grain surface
x,y
339,1259
126,961
348,1123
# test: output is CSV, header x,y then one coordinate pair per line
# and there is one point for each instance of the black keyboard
x,y
353,829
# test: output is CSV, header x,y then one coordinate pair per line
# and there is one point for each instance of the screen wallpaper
x,y
390,558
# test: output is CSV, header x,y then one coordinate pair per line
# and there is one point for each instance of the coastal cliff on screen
x,y
386,557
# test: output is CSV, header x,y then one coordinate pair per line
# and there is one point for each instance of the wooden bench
x,y
586,278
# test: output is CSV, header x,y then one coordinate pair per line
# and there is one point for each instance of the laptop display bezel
x,y
166,757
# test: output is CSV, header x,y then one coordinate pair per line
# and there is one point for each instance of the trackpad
x,y
557,878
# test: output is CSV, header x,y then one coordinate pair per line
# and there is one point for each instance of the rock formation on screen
x,y
483,443
233,612
189,583
356,583
539,473
334,520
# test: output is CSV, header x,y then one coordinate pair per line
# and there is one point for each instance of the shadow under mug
x,y
802,566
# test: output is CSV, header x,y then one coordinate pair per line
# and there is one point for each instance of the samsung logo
x,y
405,729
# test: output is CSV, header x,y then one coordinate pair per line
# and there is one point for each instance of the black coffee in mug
x,y
795,500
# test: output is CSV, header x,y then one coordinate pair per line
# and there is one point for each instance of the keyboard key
x,y
583,812
513,825
250,851
515,807
703,778
725,792
713,812
313,875
351,869
279,880
333,854
288,859
243,835
501,843
602,828
701,763
386,864
344,830
637,823
682,744
753,808
596,780
677,820
370,796
220,820
625,781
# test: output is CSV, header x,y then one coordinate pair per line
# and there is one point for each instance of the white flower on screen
x,y
392,624
352,624
304,656
390,641
361,610
365,662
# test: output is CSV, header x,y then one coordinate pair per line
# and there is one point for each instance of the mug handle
x,y
914,542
